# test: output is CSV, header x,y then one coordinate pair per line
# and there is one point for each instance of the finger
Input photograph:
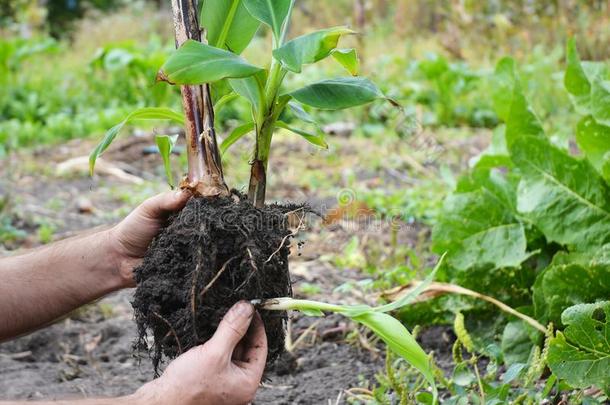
x,y
233,327
163,204
254,348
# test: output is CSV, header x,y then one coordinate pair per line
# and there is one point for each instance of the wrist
x,y
147,395
121,264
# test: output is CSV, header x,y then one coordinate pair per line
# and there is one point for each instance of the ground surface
x,y
89,353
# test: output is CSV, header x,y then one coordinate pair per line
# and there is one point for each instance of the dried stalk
x,y
438,289
205,176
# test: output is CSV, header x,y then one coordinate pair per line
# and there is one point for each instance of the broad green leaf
x,y
300,113
500,245
521,119
478,226
571,279
336,94
496,154
309,48
511,104
228,19
166,143
600,101
516,342
563,196
513,372
581,354
270,12
235,135
400,341
148,113
251,88
503,83
348,58
594,140
317,140
197,63
575,79
606,168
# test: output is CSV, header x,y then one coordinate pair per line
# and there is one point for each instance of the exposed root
x,y
216,277
290,235
171,330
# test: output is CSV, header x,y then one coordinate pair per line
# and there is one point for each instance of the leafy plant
x,y
581,353
530,223
199,67
219,63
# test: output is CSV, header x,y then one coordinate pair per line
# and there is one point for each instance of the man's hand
x,y
130,238
226,370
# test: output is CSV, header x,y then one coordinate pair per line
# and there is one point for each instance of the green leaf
x,y
309,48
571,279
478,226
511,105
348,58
147,113
270,12
594,140
500,245
600,101
389,329
503,83
563,196
197,63
400,341
312,312
317,140
228,19
298,110
336,94
516,342
581,354
496,154
235,135
252,89
606,168
575,80
166,143
223,101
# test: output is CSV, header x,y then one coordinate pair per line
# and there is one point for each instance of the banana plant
x,y
199,67
230,26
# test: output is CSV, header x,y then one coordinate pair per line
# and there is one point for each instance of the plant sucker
x,y
205,176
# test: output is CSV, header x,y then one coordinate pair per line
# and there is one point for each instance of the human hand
x,y
130,238
226,370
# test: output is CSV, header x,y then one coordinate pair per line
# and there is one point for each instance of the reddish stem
x,y
205,176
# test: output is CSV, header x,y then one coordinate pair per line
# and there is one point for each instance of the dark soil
x,y
216,252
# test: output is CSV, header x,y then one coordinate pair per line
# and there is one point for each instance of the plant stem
x,y
264,135
265,123
205,176
286,304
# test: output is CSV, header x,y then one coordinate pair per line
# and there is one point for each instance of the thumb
x,y
233,327
161,205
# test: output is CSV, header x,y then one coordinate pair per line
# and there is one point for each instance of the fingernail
x,y
243,309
